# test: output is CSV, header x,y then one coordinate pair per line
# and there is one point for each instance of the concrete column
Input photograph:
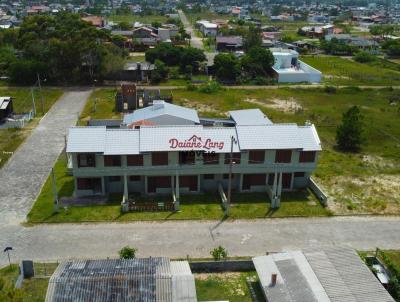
x,y
177,204
126,193
279,191
103,186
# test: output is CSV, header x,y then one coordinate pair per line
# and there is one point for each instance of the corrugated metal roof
x,y
345,277
121,142
161,108
249,117
4,101
309,138
334,274
86,139
133,280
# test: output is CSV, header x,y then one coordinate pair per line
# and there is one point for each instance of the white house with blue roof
x,y
168,149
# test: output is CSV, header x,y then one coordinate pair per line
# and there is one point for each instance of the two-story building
x,y
168,149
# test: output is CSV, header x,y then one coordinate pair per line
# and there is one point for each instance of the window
x,y
134,178
134,160
114,178
159,158
235,158
256,157
299,174
226,176
307,156
283,156
112,160
88,183
208,176
211,158
86,160
271,178
253,180
187,158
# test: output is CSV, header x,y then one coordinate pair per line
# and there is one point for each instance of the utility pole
x,y
228,204
33,102
41,93
56,208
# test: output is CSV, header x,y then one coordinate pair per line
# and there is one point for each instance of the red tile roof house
x,y
167,149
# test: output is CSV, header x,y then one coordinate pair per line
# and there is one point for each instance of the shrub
x,y
349,134
219,253
364,57
210,87
330,89
127,253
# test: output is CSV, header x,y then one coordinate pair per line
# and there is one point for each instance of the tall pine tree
x,y
349,135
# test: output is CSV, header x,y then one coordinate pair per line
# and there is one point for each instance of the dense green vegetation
x,y
60,48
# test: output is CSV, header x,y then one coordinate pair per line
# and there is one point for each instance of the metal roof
x,y
86,139
133,280
249,117
121,142
334,274
4,101
161,108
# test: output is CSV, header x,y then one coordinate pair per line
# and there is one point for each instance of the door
x,y
286,180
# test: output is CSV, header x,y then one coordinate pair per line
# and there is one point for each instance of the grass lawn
x,y
341,71
32,290
227,287
10,139
137,18
203,206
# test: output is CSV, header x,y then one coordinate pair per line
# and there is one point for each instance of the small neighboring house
x,y
207,28
138,71
289,69
145,36
96,21
231,43
360,42
282,18
122,280
318,19
37,9
318,31
332,274
6,107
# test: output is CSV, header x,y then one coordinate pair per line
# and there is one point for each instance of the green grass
x,y
137,18
341,71
227,287
394,256
11,139
32,290
104,109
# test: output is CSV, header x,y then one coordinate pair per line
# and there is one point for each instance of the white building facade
x,y
147,157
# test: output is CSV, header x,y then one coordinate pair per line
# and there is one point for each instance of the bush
x,y
210,87
219,253
364,57
349,134
127,253
330,89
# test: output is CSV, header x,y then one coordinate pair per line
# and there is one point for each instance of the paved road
x,y
178,239
194,40
23,175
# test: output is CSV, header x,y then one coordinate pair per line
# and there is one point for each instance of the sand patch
x,y
288,106
331,76
202,107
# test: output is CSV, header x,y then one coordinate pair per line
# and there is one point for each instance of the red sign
x,y
195,142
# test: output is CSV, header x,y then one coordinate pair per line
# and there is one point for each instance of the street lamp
x,y
231,162
7,250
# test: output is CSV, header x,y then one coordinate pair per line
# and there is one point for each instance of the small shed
x,y
6,107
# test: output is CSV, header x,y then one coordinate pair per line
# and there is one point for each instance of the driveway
x,y
25,172
194,40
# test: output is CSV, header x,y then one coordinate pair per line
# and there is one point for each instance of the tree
x,y
349,135
226,67
124,25
160,73
219,253
252,38
257,62
127,253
